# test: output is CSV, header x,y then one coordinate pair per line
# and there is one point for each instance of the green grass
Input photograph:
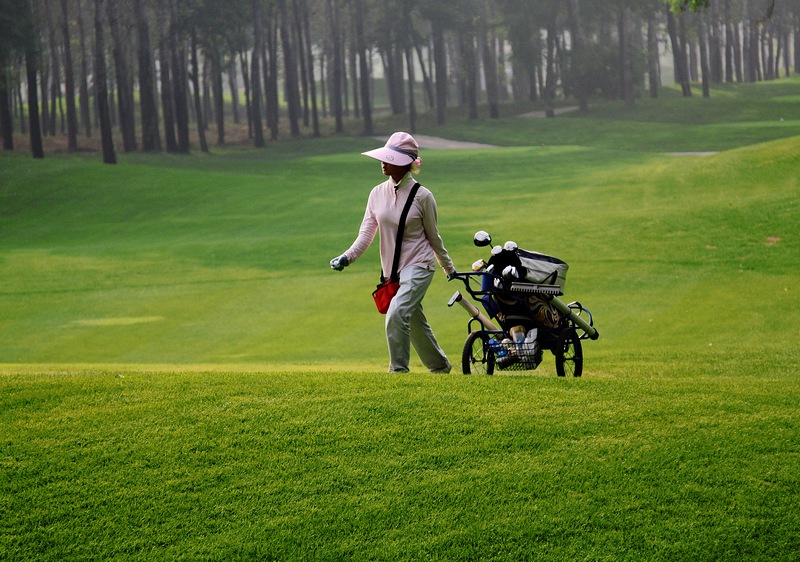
x,y
183,377
276,466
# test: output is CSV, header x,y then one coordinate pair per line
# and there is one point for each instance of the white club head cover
x,y
510,272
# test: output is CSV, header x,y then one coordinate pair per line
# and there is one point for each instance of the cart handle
x,y
467,275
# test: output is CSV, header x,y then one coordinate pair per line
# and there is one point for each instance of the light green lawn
x,y
183,377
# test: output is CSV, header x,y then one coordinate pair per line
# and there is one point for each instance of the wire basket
x,y
510,356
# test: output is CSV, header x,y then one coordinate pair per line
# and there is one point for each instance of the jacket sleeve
x,y
430,222
366,234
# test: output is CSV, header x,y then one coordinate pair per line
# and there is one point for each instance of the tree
x,y
127,120
337,63
198,106
704,63
166,78
12,44
306,26
552,41
69,81
681,5
101,91
489,62
86,119
625,59
578,58
556,48
678,55
180,79
363,68
151,141
6,121
255,80
290,70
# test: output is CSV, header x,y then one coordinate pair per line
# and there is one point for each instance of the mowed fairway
x,y
183,377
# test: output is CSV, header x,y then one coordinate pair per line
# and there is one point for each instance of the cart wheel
x,y
569,353
477,357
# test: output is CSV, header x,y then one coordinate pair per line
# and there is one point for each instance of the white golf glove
x,y
340,263
510,272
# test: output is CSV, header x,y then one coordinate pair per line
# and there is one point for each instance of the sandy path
x,y
542,114
429,142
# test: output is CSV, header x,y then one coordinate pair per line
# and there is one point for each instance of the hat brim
x,y
389,156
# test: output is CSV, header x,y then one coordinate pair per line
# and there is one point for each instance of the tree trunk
x,y
6,121
653,66
101,88
86,119
786,60
705,69
255,76
363,69
489,65
23,126
233,86
247,93
440,63
352,63
751,58
205,79
217,95
550,79
625,60
198,103
291,86
55,73
323,82
797,43
69,82
678,56
336,76
167,76
34,122
312,80
301,57
270,69
737,54
470,61
715,45
412,108
151,140
427,85
127,121
578,56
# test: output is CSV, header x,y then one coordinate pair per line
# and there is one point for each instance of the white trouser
x,y
406,325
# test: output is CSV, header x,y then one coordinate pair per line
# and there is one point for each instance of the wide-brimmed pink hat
x,y
401,150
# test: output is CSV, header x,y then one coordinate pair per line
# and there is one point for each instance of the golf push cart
x,y
519,289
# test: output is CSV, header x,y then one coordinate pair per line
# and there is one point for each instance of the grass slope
x,y
332,466
183,377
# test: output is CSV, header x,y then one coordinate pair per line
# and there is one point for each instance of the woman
x,y
422,247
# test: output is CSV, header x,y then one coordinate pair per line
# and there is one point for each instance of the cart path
x,y
543,114
431,142
427,141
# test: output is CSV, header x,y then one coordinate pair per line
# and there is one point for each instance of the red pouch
x,y
384,294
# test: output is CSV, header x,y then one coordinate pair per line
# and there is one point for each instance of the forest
x,y
178,75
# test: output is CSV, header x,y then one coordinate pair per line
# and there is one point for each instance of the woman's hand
x,y
340,263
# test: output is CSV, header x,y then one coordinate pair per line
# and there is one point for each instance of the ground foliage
x,y
184,378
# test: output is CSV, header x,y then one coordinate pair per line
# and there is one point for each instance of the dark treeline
x,y
150,75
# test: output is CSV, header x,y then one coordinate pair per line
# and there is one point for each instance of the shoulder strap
x,y
400,228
